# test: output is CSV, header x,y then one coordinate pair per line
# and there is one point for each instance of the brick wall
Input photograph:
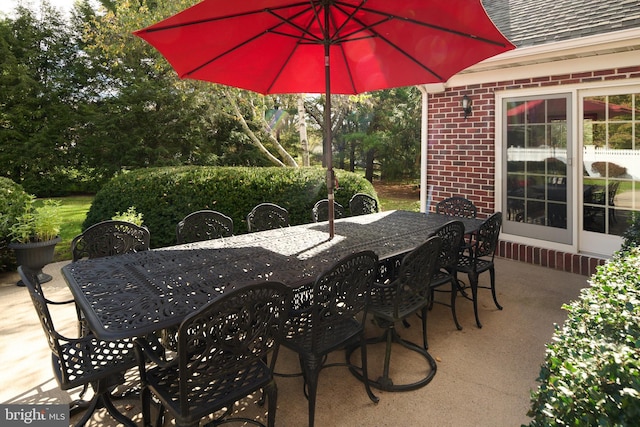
x,y
565,261
461,157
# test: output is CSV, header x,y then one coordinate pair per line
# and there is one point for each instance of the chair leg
x,y
454,293
271,392
365,371
492,273
384,382
93,405
145,403
473,281
311,367
423,313
102,399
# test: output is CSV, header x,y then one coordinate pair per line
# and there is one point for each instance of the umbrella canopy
x,y
326,46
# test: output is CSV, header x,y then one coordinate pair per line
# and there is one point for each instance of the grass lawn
x,y
74,210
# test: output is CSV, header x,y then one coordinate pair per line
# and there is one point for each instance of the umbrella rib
x,y
157,28
410,57
398,48
271,30
206,63
435,27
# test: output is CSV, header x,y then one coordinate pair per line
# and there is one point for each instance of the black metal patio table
x,y
131,295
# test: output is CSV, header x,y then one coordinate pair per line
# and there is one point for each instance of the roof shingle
x,y
536,22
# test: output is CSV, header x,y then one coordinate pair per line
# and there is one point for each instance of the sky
x,y
7,6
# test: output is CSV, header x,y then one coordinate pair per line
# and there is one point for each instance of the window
x,y
611,161
536,193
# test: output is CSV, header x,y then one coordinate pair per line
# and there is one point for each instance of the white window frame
x,y
580,242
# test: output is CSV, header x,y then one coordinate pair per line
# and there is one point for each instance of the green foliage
x,y
591,375
13,200
37,223
631,236
131,215
38,107
166,195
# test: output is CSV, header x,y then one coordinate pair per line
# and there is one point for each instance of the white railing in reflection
x,y
629,159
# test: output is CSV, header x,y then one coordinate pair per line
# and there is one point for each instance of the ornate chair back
x,y
452,235
362,204
320,211
203,225
110,237
486,238
457,206
221,354
410,289
267,216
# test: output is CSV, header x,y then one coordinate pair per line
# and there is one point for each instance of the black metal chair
x,y
329,315
221,357
457,206
452,235
85,360
362,204
478,258
267,216
106,238
320,211
110,237
203,225
393,302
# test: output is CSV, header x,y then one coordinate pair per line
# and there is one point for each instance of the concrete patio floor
x,y
484,376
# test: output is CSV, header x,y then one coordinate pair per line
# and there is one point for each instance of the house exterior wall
x,y
461,154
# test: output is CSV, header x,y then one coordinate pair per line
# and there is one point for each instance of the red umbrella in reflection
x,y
326,46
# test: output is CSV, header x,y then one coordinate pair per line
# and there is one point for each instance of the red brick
x,y
559,260
575,264
552,259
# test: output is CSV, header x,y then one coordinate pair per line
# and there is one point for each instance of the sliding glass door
x,y
537,191
610,165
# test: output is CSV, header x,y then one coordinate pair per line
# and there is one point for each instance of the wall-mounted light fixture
x,y
466,106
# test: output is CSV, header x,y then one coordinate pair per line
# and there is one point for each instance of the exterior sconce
x,y
466,106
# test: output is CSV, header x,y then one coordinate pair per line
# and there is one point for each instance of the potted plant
x,y
35,234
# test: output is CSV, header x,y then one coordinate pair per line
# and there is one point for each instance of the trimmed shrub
x,y
166,195
13,201
614,169
591,374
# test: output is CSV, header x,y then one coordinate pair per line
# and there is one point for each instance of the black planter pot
x,y
34,256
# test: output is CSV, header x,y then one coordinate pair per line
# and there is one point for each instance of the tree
x,y
37,105
139,87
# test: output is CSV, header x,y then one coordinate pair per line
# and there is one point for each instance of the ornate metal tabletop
x,y
135,294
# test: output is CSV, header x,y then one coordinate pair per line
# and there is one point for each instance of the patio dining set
x,y
204,320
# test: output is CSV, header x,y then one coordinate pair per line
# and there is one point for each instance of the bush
x,y
591,374
13,200
166,195
631,236
614,169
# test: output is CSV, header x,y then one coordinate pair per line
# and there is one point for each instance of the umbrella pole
x,y
328,155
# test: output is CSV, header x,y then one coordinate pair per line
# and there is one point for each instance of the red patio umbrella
x,y
326,46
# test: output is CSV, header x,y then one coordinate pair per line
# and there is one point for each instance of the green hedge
x,y
591,375
166,195
13,201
